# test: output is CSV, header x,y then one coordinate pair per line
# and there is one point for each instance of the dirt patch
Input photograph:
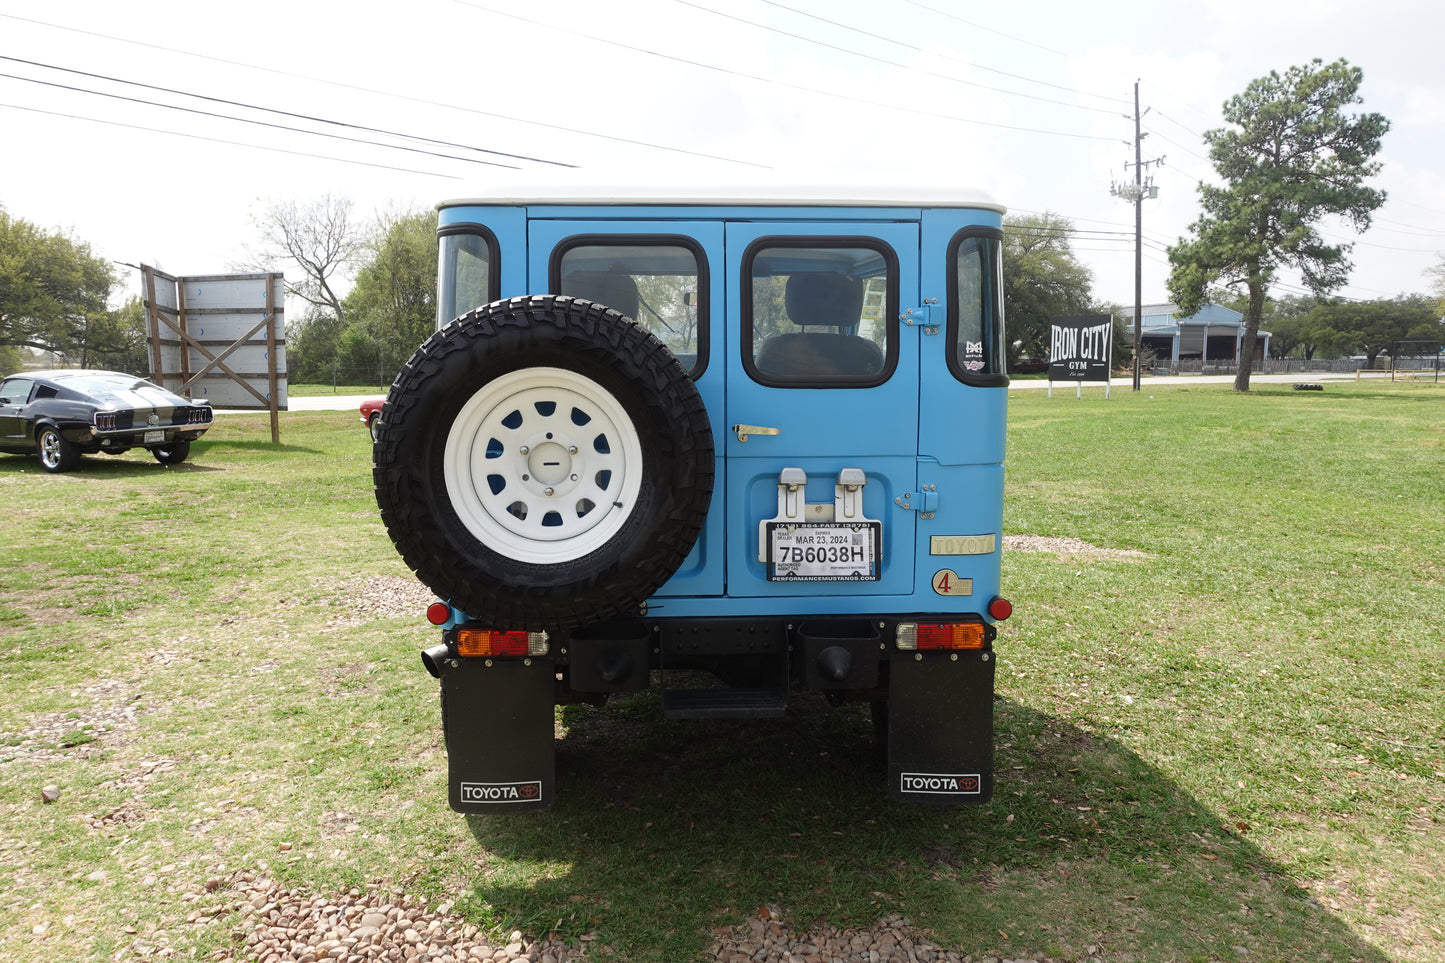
x,y
83,731
378,597
1068,548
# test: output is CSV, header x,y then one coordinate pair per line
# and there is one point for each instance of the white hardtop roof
x,y
802,194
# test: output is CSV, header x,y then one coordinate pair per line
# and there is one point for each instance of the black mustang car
x,y
62,415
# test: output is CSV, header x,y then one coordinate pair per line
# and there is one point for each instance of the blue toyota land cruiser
x,y
735,444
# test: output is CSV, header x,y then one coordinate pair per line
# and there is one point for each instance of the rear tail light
x,y
942,635
198,416
489,642
105,421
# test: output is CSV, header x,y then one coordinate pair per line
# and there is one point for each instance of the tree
x,y
53,290
1437,284
119,340
1284,319
319,237
1372,327
1291,158
392,306
311,347
1041,279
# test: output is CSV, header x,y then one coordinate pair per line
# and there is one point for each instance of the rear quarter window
x,y
820,312
975,308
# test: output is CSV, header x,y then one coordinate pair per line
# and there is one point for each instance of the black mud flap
x,y
498,720
940,729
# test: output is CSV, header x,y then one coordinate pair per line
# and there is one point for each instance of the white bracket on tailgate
x,y
847,505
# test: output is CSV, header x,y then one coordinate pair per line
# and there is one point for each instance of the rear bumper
x,y
938,705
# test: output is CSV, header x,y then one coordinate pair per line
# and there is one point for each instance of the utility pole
x,y
1136,192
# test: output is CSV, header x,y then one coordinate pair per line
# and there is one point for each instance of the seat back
x,y
824,299
617,291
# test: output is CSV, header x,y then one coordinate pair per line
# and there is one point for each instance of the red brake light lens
x,y
951,635
488,642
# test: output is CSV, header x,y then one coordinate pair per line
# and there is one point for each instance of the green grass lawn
x,y
1226,745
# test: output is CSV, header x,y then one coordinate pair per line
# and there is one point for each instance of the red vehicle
x,y
371,415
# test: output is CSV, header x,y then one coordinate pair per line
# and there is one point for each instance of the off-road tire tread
x,y
544,330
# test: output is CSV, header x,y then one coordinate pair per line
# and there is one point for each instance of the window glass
x,y
977,345
820,314
466,275
15,391
660,284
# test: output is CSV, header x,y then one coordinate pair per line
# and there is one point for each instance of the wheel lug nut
x,y
574,477
549,492
524,449
572,449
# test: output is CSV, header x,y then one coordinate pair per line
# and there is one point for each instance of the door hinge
x,y
924,501
921,316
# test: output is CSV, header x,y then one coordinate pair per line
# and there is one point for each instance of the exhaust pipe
x,y
435,659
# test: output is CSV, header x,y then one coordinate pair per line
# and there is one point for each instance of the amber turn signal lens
x,y
486,642
951,635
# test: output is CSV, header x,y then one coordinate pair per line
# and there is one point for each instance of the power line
x,y
979,26
821,92
890,63
382,93
231,143
258,123
281,113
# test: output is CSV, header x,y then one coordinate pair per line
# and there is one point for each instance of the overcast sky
x,y
1031,102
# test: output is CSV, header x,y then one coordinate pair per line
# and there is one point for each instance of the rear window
x,y
820,312
659,281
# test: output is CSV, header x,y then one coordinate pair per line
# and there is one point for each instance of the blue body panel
x,y
922,427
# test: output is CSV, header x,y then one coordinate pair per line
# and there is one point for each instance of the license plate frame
x,y
824,551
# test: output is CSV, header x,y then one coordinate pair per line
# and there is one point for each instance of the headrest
x,y
824,297
617,291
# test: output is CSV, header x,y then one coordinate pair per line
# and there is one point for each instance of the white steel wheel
x,y
543,465
546,462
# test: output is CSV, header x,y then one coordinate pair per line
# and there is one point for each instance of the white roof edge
x,y
751,195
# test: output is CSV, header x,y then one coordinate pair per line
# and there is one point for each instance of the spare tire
x,y
544,462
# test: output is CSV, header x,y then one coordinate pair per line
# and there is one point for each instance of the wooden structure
x,y
220,338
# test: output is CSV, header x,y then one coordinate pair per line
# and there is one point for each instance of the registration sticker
x,y
823,551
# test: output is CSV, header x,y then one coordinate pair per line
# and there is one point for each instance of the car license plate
x,y
823,552
154,438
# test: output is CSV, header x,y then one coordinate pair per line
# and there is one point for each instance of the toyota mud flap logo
x,y
501,792
953,784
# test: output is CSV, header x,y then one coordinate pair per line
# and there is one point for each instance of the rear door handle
x,y
743,431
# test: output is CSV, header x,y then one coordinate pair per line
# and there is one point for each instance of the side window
x,y
466,271
661,282
975,308
820,312
15,391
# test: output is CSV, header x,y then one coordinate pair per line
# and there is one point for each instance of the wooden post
x,y
271,387
153,327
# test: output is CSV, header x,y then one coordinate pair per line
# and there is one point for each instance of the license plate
x,y
154,438
823,552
